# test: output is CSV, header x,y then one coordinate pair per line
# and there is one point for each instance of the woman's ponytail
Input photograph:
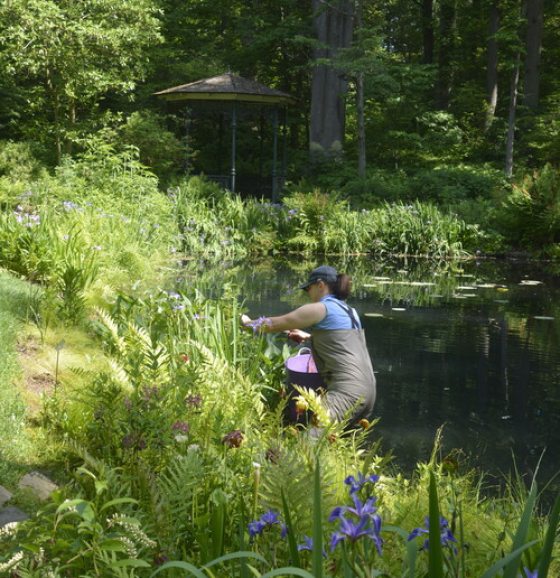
x,y
342,288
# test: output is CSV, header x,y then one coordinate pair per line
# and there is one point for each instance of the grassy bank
x,y
171,442
15,445
178,453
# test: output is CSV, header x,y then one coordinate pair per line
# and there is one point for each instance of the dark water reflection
x,y
471,345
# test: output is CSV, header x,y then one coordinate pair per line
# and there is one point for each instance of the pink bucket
x,y
301,370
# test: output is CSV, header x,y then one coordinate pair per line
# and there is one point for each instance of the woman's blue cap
x,y
322,273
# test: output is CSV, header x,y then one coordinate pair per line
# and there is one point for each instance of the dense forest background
x,y
396,99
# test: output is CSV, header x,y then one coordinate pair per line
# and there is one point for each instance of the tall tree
x,y
428,31
71,54
533,54
447,32
513,91
333,25
492,64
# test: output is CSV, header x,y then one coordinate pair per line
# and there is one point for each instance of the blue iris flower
x,y
308,546
363,520
445,533
256,528
357,484
530,573
366,509
267,520
351,531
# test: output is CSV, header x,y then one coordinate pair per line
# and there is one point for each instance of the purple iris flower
x,y
445,533
366,509
270,517
357,484
267,520
256,528
353,531
530,573
308,546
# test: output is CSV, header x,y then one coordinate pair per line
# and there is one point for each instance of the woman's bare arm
x,y
304,316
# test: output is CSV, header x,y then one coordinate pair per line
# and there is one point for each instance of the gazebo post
x,y
274,152
233,144
187,127
284,145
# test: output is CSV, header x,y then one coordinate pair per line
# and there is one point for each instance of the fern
x,y
177,491
316,405
292,475
116,340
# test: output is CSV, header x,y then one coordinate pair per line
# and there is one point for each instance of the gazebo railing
x,y
222,180
252,185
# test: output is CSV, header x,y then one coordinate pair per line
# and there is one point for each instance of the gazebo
x,y
236,95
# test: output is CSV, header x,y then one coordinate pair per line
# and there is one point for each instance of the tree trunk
x,y
511,117
360,112
428,31
361,125
447,19
535,11
492,65
333,30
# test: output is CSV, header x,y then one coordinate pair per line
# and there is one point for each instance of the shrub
x,y
18,162
158,148
531,213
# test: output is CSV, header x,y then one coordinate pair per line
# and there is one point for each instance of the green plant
x,y
531,213
71,536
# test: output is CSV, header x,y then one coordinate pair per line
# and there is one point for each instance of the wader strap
x,y
350,313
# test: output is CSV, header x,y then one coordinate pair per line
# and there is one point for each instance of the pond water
x,y
473,345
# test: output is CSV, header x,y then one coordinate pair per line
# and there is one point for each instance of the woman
x,y
337,342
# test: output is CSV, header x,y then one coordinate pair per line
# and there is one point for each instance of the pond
x,y
473,345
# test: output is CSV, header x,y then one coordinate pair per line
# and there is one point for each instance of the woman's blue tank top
x,y
339,315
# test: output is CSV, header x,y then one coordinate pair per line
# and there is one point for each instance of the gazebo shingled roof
x,y
226,87
232,89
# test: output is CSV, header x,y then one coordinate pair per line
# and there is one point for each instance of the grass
x,y
15,444
28,372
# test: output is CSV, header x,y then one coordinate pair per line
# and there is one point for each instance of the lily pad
x,y
398,309
529,282
373,314
543,317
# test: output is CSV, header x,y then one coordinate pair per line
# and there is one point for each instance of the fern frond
x,y
178,487
116,339
293,476
316,405
119,374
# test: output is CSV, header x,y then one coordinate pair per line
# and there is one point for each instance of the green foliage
x,y
158,148
443,184
18,162
14,441
531,213
420,229
74,54
76,535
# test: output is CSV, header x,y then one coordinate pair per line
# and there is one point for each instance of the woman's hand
x,y
245,319
298,335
